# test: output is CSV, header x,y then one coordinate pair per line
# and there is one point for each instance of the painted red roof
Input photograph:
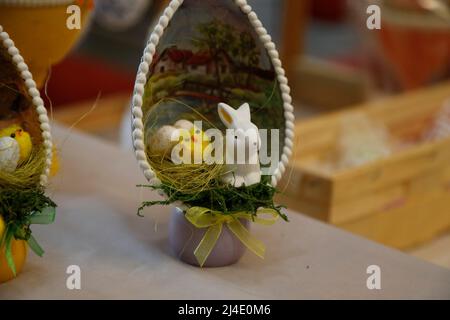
x,y
200,58
179,56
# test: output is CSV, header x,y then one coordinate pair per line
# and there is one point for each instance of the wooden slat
x,y
327,86
321,133
404,166
401,200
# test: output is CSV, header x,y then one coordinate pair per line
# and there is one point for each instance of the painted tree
x,y
214,37
218,37
248,52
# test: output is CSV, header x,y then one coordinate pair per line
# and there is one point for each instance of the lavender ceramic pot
x,y
184,239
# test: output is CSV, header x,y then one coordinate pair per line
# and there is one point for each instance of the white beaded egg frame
x,y
36,99
141,79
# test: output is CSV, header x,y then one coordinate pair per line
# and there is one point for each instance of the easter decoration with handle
x,y
213,127
25,160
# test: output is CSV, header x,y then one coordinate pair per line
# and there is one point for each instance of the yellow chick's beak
x,y
198,137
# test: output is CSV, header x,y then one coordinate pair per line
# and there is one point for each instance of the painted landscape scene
x,y
217,59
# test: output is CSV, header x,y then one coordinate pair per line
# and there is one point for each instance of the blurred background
x,y
373,107
325,45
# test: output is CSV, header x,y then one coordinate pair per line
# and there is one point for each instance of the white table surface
x,y
123,256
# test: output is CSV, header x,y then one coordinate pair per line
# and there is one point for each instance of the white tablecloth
x,y
124,256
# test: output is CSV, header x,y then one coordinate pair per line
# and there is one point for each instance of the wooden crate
x,y
400,201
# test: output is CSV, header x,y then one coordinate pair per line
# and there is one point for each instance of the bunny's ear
x,y
227,115
244,112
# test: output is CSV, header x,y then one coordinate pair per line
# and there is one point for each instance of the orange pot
x,y
19,251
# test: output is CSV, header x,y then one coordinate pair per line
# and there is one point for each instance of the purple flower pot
x,y
184,239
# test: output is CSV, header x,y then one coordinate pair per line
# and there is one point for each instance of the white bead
x,y
266,39
137,135
141,156
137,123
290,125
144,67
33,92
26,75
137,100
270,46
154,38
141,78
13,51
22,66
8,43
139,145
18,59
39,102
148,57
290,134
287,150
159,31
45,127
139,90
276,56
247,9
47,135
289,143
287,98
285,88
137,112
169,12
30,83
164,21
282,80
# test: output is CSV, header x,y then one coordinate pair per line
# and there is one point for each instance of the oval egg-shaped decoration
x,y
207,63
25,139
44,30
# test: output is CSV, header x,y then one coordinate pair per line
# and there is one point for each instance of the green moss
x,y
223,198
16,207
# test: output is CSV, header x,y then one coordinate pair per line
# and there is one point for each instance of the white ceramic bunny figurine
x,y
243,143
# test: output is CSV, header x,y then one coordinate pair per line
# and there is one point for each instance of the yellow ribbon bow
x,y
214,221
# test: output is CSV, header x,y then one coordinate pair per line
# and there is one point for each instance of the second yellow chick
x,y
22,137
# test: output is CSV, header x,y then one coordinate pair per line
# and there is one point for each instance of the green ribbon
x,y
213,221
45,216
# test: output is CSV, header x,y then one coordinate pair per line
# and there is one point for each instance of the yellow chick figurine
x,y
162,144
198,139
15,147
